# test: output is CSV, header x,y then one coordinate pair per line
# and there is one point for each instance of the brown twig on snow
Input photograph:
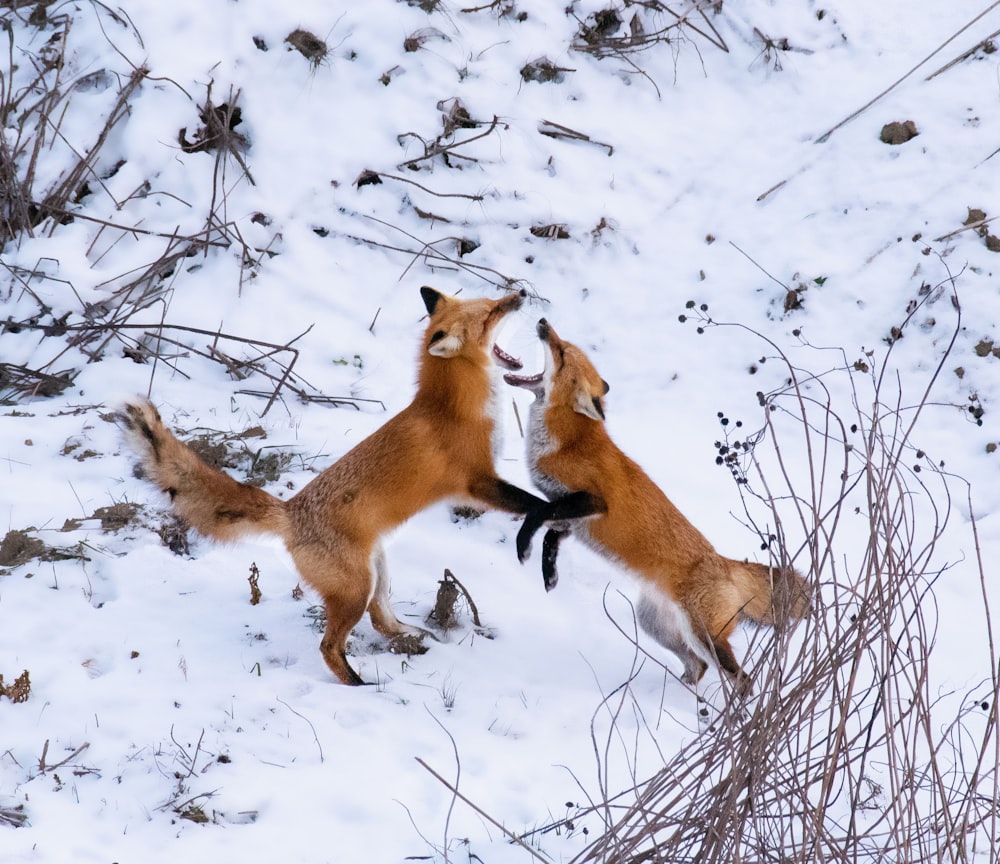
x,y
965,55
506,832
826,135
555,130
445,144
430,253
600,37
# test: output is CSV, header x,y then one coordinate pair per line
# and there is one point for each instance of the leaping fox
x,y
691,597
441,446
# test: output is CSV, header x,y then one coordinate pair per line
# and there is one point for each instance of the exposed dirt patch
x,y
173,533
544,71
309,45
411,644
898,132
18,548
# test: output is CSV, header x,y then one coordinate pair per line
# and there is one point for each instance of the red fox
x,y
691,597
441,446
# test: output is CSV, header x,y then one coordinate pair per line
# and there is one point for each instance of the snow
x,y
153,675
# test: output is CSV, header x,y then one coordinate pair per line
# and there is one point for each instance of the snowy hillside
x,y
754,216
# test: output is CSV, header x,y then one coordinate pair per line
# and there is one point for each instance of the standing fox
x,y
440,446
692,597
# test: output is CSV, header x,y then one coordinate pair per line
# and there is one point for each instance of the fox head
x,y
569,378
464,328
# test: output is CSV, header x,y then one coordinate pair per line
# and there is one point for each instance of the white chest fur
x,y
541,443
494,413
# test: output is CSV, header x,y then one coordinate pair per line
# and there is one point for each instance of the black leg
x,y
502,495
575,505
550,551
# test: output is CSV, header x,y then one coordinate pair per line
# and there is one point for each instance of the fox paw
x,y
523,544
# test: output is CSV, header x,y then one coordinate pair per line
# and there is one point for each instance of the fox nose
x,y
513,301
543,329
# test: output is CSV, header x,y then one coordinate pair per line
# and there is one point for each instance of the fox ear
x,y
588,406
444,344
431,298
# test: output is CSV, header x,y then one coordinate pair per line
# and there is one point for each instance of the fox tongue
x,y
505,359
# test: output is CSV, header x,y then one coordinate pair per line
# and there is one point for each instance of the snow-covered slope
x,y
231,210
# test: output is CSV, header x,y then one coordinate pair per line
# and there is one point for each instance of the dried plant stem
x,y
506,832
850,750
826,135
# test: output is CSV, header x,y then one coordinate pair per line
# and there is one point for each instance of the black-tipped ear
x,y
607,386
431,298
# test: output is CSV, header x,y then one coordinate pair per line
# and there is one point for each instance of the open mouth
x,y
508,361
529,382
511,303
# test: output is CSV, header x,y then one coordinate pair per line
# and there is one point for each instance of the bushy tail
x,y
773,594
211,502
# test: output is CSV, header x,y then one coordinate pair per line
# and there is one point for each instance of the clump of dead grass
x,y
18,690
309,45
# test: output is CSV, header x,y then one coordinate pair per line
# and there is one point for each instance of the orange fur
x,y
439,447
692,597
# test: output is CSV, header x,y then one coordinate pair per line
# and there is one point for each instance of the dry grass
x,y
131,317
852,749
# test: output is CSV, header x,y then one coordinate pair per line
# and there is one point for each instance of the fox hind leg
x,y
380,611
340,620
667,623
346,585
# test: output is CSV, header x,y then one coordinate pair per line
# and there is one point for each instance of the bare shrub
x,y
604,33
853,748
31,96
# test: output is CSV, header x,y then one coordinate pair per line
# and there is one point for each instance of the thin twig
x,y
303,716
507,833
826,135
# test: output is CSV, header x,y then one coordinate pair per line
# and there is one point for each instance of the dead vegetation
x,y
29,108
22,546
87,331
18,547
309,45
850,749
605,34
446,612
13,816
544,71
18,690
446,146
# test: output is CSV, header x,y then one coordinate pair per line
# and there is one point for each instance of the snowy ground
x,y
158,693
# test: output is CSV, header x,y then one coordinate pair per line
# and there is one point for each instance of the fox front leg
x,y
575,505
550,552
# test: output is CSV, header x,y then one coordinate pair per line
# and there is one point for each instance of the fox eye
x,y
437,337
